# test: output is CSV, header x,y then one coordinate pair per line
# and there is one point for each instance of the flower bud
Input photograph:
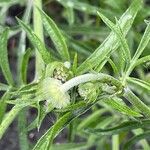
x,y
89,91
50,90
59,71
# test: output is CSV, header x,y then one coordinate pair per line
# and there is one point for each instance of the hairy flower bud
x,y
89,91
50,90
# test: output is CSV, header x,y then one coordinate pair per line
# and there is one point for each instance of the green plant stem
x,y
22,128
71,125
133,99
38,29
115,142
91,77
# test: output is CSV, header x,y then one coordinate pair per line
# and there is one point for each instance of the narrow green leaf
x,y
8,119
45,142
136,102
70,15
91,118
102,124
37,43
120,106
79,47
142,60
79,6
111,43
69,146
24,65
3,87
42,112
71,107
114,67
3,105
139,82
143,43
119,33
123,127
4,63
135,139
75,63
91,32
56,36
144,143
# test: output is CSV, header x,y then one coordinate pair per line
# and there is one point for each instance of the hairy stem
x,y
90,77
